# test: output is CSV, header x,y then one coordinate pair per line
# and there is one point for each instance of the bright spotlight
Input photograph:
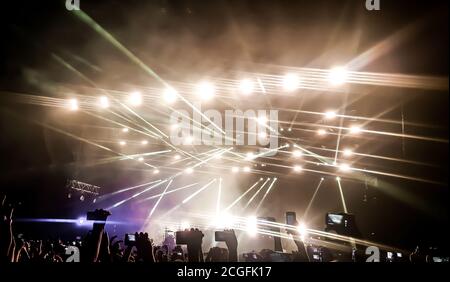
x,y
338,76
135,98
125,129
122,143
189,170
246,169
144,142
103,102
321,132
344,167
155,171
73,104
262,120
251,226
206,90
298,168
249,156
141,159
246,86
170,95
302,230
355,129
188,140
262,134
291,82
347,152
81,221
297,153
177,157
330,114
338,178
234,169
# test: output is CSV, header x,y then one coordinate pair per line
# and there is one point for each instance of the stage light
x,y
103,102
355,129
246,86
281,129
347,152
177,157
338,76
73,104
205,90
249,156
82,198
155,171
189,170
330,114
290,82
234,169
141,159
80,221
301,228
298,168
322,178
252,226
188,140
122,143
321,132
125,129
289,129
144,142
262,134
262,120
135,98
170,95
344,167
246,169
338,178
297,153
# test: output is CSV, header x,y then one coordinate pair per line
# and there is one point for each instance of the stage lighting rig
x,y
75,186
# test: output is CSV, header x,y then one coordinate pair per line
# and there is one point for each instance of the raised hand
x,y
6,234
144,247
99,216
194,246
232,243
